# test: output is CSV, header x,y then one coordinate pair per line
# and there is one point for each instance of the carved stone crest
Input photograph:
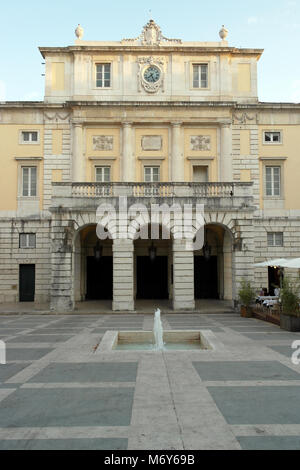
x,y
152,36
200,142
103,142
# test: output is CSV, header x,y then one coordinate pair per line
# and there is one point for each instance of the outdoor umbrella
x,y
293,263
281,262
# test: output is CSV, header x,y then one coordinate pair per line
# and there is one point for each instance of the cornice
x,y
150,49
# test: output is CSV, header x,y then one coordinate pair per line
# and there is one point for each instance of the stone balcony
x,y
88,196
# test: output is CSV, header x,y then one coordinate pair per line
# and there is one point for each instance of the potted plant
x,y
247,296
289,299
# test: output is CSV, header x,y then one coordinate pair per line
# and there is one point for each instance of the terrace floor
x,y
57,391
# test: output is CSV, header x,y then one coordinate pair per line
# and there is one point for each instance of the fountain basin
x,y
184,340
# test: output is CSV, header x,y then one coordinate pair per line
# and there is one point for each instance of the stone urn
x,y
79,32
223,33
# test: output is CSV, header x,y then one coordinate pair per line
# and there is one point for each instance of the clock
x,y
152,74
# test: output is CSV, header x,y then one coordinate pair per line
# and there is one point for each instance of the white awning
x,y
280,262
293,263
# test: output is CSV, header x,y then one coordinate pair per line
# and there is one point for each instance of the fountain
x,y
157,340
158,332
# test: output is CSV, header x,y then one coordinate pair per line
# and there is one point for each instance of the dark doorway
x,y
274,279
99,278
26,282
152,277
206,277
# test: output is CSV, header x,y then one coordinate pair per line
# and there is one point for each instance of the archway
x,y
93,266
153,267
213,265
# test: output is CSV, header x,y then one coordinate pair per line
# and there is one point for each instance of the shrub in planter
x,y
289,297
247,296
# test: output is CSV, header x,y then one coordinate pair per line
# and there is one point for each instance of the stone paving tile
x,y
258,405
255,370
40,338
270,442
26,354
89,372
54,331
64,444
7,371
285,350
277,336
67,407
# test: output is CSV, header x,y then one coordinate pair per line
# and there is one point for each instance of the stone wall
x,y
11,256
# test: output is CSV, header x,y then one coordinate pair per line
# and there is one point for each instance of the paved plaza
x,y
59,391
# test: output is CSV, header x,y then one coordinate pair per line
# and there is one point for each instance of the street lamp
x,y
98,251
152,252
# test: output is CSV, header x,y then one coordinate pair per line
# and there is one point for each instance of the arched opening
x,y
213,265
93,266
153,267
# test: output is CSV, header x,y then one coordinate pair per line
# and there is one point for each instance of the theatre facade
x,y
143,122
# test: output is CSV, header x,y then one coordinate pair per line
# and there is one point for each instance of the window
x,y
27,240
103,75
200,76
29,181
102,174
200,174
152,174
273,180
272,137
29,137
275,239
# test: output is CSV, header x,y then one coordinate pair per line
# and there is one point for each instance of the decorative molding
x,y
102,159
152,158
272,158
200,143
152,36
30,159
103,142
152,142
244,118
200,159
56,116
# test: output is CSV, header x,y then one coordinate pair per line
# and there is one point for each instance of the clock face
x,y
152,74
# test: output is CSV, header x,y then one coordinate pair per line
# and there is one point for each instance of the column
x,y
177,160
128,164
183,276
78,167
226,153
62,289
123,272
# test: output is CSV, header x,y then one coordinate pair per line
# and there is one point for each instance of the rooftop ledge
x,y
86,46
229,104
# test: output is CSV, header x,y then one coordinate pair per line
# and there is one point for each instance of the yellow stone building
x,y
156,121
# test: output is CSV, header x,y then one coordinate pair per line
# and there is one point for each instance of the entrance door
x,y
152,277
274,279
26,282
206,277
99,282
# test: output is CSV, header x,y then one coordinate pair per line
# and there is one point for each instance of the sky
x,y
272,25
